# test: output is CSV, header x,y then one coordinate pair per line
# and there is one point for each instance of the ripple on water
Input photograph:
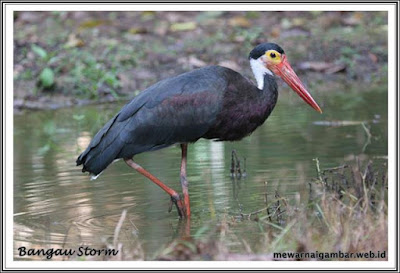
x,y
55,204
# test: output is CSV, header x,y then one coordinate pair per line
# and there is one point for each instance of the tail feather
x,y
98,159
103,149
107,144
96,140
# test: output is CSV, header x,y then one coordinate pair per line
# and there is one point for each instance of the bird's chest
x,y
238,119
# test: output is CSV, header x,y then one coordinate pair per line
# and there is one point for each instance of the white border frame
x,y
9,8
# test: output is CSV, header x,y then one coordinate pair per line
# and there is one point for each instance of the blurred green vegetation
x,y
112,55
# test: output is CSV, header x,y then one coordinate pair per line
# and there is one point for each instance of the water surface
x,y
57,206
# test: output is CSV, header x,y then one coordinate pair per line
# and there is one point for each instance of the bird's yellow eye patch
x,y
273,56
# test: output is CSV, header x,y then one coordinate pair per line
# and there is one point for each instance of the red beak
x,y
285,71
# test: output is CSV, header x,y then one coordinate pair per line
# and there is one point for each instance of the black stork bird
x,y
213,102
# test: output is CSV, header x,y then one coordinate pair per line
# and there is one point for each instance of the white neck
x,y
259,70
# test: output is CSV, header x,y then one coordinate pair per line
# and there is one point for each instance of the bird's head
x,y
269,58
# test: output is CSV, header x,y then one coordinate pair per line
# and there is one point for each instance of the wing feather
x,y
176,110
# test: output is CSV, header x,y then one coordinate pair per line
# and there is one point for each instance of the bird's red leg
x,y
184,181
174,195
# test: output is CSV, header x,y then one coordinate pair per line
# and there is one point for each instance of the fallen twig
x,y
118,227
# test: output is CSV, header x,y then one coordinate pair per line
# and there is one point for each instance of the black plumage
x,y
213,102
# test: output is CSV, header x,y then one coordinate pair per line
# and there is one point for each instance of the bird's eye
x,y
273,56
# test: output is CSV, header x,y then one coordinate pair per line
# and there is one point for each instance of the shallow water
x,y
57,206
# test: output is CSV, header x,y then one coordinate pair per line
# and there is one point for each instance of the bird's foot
x,y
177,200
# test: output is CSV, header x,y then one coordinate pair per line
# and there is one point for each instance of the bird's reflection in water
x,y
237,173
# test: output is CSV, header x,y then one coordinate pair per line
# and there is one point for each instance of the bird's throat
x,y
259,71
